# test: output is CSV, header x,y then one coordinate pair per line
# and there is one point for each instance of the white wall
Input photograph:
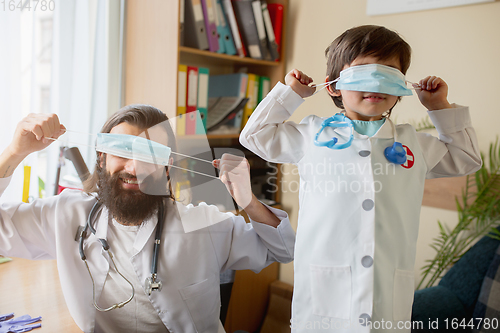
x,y
459,44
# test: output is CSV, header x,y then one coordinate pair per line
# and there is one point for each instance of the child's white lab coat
x,y
359,213
189,263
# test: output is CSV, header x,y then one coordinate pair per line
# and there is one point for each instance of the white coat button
x,y
364,153
364,319
368,204
367,261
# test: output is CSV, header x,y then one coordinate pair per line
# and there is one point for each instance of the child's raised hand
x,y
235,174
432,93
299,82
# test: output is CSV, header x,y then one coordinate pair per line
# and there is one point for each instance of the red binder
x,y
276,13
192,99
192,89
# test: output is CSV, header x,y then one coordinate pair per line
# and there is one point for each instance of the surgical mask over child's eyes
x,y
373,78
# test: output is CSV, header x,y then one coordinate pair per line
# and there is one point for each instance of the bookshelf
x,y
223,59
152,56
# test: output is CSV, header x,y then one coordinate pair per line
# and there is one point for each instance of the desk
x,y
32,287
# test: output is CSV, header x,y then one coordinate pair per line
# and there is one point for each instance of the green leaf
x,y
478,215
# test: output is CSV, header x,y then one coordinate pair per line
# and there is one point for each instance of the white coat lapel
x,y
145,231
385,131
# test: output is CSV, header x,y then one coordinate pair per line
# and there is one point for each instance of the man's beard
x,y
128,207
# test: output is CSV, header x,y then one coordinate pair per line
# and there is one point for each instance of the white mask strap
x,y
414,86
172,152
325,84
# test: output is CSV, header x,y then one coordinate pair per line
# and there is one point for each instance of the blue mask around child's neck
x,y
368,128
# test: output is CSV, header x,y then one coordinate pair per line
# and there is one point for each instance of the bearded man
x,y
140,261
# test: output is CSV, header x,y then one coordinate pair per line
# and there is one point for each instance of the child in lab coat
x,y
361,180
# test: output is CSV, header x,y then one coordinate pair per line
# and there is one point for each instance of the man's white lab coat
x,y
359,214
189,263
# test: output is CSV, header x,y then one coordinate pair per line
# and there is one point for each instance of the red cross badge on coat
x,y
410,158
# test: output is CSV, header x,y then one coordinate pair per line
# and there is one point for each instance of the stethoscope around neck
x,y
394,154
151,283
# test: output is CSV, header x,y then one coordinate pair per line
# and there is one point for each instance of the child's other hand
x,y
432,93
235,174
299,82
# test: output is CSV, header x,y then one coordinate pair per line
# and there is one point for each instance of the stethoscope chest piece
x,y
152,283
395,153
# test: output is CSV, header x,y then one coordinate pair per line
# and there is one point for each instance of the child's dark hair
x,y
365,40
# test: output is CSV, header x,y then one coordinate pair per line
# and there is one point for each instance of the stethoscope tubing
x,y
156,249
96,208
340,120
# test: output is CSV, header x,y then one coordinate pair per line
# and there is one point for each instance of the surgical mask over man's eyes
x,y
133,147
190,174
150,159
373,78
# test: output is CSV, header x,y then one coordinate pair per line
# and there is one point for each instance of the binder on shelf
x,y
234,84
225,115
226,95
245,17
192,99
194,25
264,88
276,13
224,31
192,118
252,95
255,93
192,88
203,84
218,24
181,21
271,39
229,11
261,29
210,26
181,100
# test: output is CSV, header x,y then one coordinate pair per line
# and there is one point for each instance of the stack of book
x,y
217,104
244,27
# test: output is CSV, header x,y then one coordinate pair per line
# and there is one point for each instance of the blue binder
x,y
234,85
225,30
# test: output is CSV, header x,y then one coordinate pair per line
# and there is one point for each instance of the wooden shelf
x,y
223,136
210,136
215,57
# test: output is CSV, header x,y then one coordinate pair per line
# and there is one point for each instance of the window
x,y
45,53
44,99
